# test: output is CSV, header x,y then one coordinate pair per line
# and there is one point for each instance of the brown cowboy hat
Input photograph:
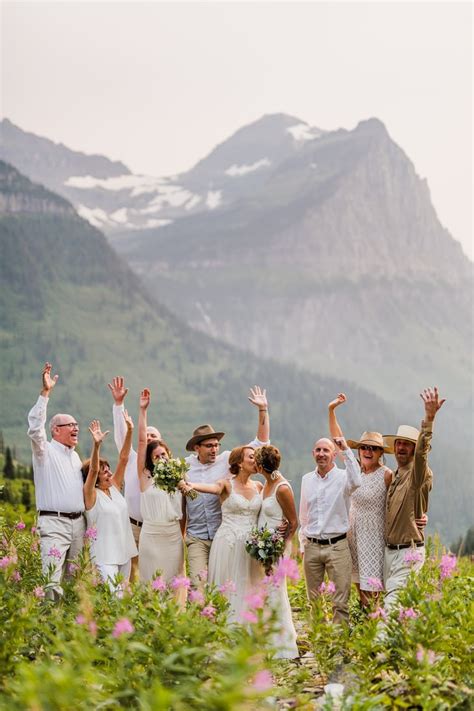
x,y
407,432
200,434
373,438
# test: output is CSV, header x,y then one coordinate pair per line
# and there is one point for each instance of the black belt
x,y
135,522
328,541
400,546
60,514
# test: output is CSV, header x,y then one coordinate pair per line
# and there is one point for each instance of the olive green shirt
x,y
407,496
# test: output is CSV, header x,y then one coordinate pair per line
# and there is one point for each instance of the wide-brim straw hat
x,y
373,438
200,434
410,434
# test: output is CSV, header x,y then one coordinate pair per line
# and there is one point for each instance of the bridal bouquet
x,y
266,546
168,473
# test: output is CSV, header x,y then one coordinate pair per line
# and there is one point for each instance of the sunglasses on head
x,y
369,447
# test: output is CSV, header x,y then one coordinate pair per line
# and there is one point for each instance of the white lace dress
x,y
284,639
366,528
228,559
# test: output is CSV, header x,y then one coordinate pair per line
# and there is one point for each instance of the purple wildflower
x,y
286,568
91,534
262,680
123,626
158,584
196,596
20,526
413,555
375,584
447,565
209,611
39,592
55,553
407,613
248,616
228,587
5,561
328,588
180,582
255,601
378,614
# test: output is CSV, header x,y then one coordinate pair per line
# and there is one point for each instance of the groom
x,y
207,466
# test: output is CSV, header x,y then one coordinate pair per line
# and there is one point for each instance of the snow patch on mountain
x,y
139,183
214,199
303,132
153,222
237,170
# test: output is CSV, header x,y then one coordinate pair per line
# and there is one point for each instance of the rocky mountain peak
x,y
20,195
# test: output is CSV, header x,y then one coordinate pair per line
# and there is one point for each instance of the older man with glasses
x,y
58,486
206,466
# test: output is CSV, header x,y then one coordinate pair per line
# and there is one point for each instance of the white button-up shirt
x,y
204,514
132,485
325,500
57,468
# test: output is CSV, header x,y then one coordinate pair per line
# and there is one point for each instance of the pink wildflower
x,y
16,576
248,616
378,614
209,611
55,553
196,596
262,680
286,568
123,626
227,588
33,530
5,561
413,556
72,568
91,534
328,588
447,565
374,584
80,620
20,526
92,627
255,601
407,613
425,655
202,575
39,592
180,582
158,584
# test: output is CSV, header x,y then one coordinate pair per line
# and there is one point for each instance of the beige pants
x,y
335,560
65,537
198,558
396,572
134,575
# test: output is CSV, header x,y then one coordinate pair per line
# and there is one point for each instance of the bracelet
x,y
266,410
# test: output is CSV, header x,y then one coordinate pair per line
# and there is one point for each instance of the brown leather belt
x,y
62,514
400,546
328,541
135,522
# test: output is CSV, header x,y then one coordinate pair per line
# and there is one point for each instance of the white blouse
x,y
157,506
114,544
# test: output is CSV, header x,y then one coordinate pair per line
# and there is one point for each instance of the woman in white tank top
x,y
106,509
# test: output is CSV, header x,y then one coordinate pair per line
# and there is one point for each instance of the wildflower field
x,y
98,650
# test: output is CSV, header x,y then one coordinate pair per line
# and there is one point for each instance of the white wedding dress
x,y
229,562
284,639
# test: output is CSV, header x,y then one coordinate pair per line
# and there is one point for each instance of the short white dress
x,y
284,639
114,544
161,546
367,528
228,559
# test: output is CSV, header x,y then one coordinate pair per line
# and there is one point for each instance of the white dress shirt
x,y
325,500
204,514
57,468
131,482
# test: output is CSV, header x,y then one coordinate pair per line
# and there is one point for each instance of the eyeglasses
x,y
369,447
211,446
71,425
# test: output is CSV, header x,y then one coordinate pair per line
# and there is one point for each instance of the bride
x,y
278,504
230,566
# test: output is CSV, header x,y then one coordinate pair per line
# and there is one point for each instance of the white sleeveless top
x,y
109,515
271,512
157,506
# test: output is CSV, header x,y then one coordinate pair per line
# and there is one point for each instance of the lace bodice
x,y
239,515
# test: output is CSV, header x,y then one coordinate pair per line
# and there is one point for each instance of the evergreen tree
x,y
9,468
2,443
26,495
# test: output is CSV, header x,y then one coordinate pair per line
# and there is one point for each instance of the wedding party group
x,y
152,514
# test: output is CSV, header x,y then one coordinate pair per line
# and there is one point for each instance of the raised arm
x,y
144,402
354,477
37,414
432,403
286,500
119,393
258,397
124,452
334,426
98,437
219,488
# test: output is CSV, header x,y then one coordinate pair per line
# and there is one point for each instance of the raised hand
x,y
432,402
145,397
118,389
339,400
128,420
48,381
96,433
258,397
340,443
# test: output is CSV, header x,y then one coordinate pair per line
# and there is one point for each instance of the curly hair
x,y
86,465
150,448
268,458
236,457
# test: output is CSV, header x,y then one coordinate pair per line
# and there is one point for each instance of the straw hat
x,y
407,432
200,434
373,438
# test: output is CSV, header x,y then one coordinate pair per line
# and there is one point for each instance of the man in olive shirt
x,y
407,499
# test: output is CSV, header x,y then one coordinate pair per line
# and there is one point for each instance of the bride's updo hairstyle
x,y
268,458
236,457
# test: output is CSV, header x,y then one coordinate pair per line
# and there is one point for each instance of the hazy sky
x,y
158,85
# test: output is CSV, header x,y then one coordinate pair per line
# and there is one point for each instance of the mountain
x,y
68,298
111,198
337,263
